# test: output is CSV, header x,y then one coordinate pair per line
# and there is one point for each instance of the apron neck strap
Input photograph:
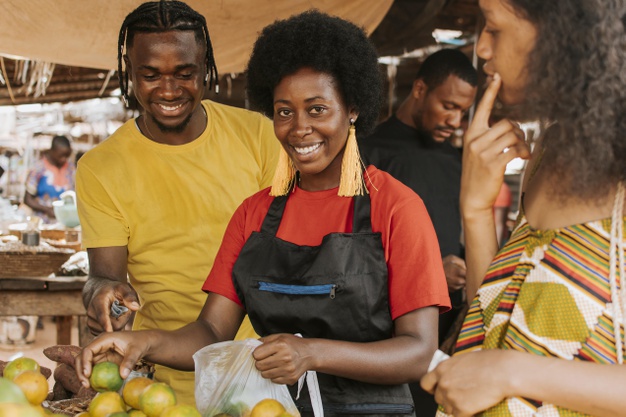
x,y
361,222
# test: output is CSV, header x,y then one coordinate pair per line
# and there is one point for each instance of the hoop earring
x,y
351,182
284,176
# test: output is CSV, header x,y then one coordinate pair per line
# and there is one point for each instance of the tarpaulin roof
x,y
84,33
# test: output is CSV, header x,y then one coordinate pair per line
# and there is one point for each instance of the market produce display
x,y
23,388
25,392
66,386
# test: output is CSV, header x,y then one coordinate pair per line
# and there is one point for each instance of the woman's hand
x,y
123,348
486,152
467,384
283,358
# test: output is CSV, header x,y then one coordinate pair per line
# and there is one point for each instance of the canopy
x,y
84,33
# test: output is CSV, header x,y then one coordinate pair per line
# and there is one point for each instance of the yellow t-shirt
x,y
170,206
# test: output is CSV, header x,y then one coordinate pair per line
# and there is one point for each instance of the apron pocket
x,y
323,289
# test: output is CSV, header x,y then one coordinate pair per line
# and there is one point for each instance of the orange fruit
x,y
268,407
136,413
106,403
155,398
10,393
34,385
118,414
180,410
19,365
19,410
105,376
133,389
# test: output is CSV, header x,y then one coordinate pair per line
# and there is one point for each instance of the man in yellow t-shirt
x,y
154,199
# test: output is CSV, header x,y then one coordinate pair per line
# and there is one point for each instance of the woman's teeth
x,y
306,149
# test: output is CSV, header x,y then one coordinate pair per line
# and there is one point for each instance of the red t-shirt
x,y
416,277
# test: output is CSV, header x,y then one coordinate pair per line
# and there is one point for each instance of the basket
x,y
69,407
29,262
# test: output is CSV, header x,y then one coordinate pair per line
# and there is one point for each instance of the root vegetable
x,y
62,353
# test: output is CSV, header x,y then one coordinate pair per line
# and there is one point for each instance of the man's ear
x,y
127,63
419,89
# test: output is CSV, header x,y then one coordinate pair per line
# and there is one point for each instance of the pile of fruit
x,y
23,388
24,392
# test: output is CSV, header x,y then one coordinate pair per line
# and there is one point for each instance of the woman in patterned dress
x,y
550,309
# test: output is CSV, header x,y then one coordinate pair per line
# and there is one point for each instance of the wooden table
x,y
47,296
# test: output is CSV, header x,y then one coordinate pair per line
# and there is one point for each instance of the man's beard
x,y
172,129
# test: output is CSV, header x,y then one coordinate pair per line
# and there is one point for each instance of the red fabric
x,y
504,198
416,277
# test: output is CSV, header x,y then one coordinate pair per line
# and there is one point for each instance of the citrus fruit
x,y
106,403
19,410
155,398
19,365
34,385
105,376
118,414
133,389
268,407
136,413
10,393
180,410
82,414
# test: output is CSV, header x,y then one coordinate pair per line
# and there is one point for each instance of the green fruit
x,y
105,376
19,365
11,393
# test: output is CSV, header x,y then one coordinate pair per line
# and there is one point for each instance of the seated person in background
x,y
348,258
544,335
51,176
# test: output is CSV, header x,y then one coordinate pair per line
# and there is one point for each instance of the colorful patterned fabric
x,y
546,293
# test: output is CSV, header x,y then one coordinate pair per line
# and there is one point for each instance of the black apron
x,y
337,290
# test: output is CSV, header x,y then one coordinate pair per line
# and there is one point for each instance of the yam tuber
x,y
62,353
66,375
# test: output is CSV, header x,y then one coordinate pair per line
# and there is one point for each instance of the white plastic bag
x,y
228,382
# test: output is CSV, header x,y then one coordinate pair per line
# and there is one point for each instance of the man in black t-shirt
x,y
413,146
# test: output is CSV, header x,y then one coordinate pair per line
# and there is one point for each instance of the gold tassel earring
x,y
351,182
284,176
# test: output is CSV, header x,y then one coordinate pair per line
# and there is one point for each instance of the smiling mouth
x,y
170,108
304,150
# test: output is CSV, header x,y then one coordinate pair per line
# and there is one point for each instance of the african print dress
x,y
546,293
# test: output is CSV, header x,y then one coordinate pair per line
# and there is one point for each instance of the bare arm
x,y
487,151
283,358
106,283
218,321
470,383
32,202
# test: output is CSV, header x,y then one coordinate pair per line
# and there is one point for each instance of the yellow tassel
x,y
351,182
284,176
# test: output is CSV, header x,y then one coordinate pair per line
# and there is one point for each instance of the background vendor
x,y
51,176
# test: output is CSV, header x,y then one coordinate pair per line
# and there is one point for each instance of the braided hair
x,y
162,16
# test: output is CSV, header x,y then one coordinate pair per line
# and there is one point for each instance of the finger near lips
x,y
485,106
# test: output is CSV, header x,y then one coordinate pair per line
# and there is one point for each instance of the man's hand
x,y
99,317
123,348
454,268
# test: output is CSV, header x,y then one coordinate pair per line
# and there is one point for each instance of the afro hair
x,y
324,43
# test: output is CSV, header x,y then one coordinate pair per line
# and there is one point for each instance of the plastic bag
x,y
228,382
